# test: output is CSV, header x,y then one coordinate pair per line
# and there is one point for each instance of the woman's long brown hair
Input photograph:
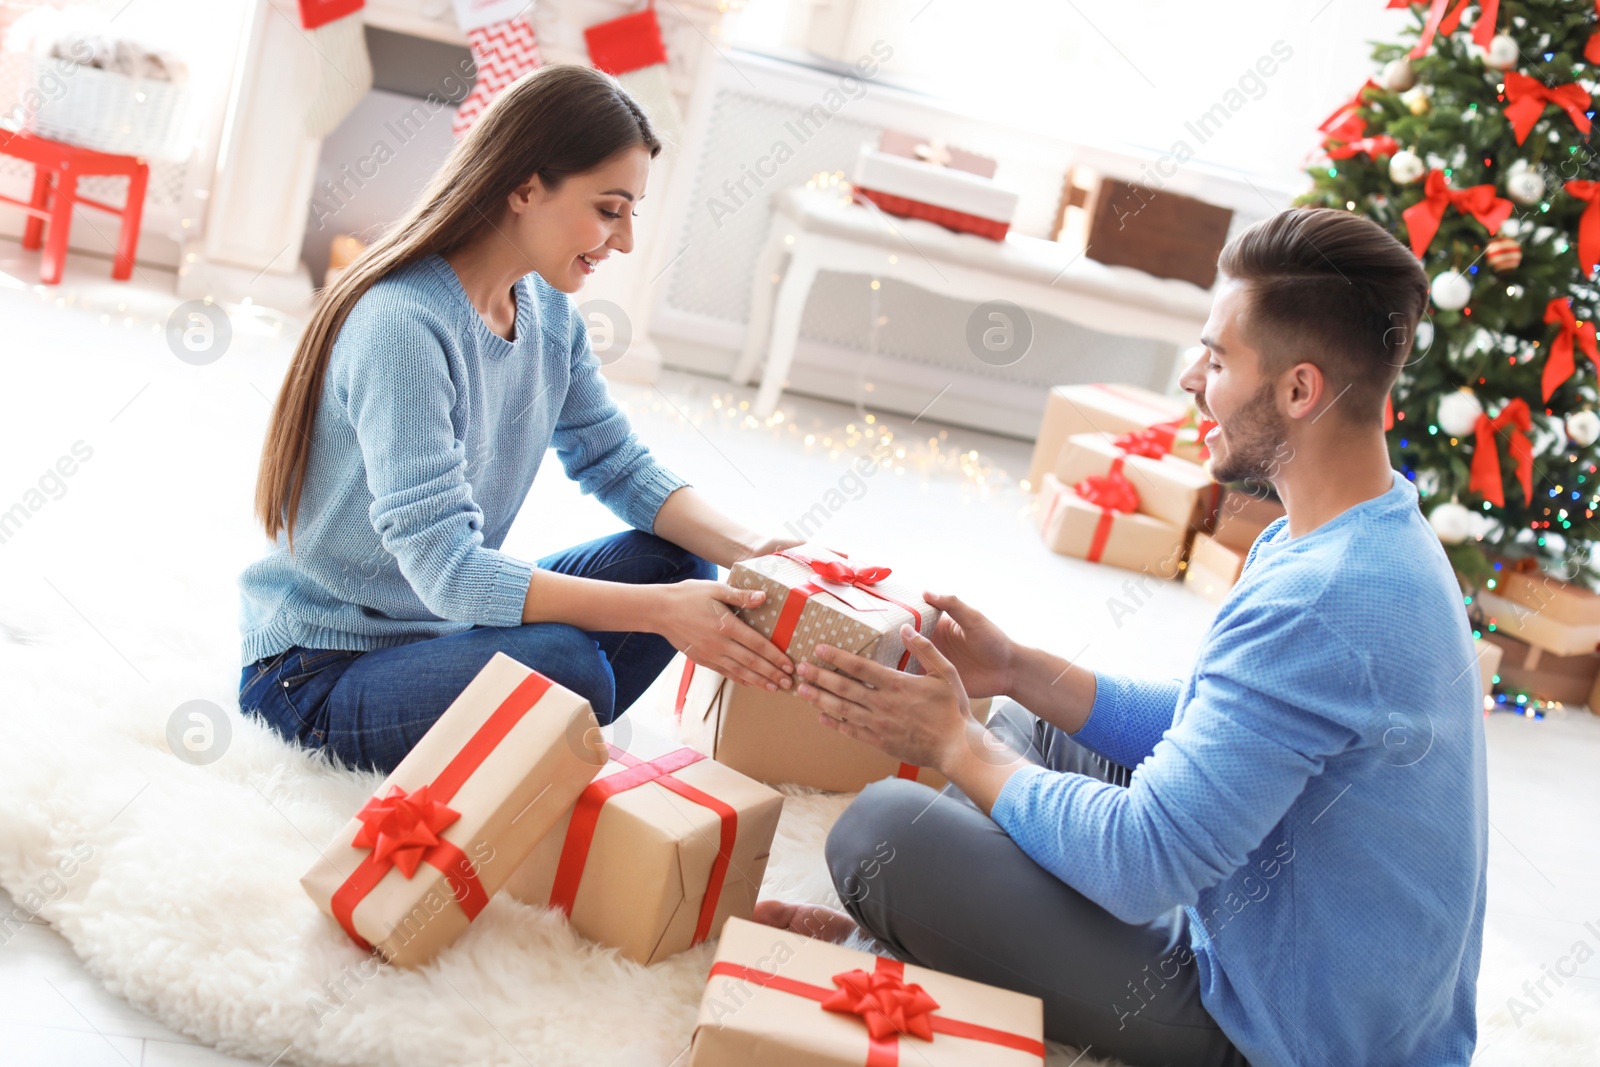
x,y
553,122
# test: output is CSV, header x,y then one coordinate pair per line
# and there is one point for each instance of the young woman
x,y
427,387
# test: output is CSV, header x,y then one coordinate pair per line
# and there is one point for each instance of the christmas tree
x,y
1471,144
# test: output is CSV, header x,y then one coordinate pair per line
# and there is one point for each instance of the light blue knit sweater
x,y
428,435
1314,795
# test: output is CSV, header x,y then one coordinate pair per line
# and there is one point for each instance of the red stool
x,y
57,168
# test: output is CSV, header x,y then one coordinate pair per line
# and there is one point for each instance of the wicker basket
x,y
107,111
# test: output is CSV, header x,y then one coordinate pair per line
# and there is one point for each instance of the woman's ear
x,y
528,194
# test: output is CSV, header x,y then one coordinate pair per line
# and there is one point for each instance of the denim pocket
x,y
304,680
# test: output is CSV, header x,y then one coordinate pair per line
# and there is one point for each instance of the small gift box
x,y
1544,675
1539,627
779,739
1489,656
1213,568
1170,488
1242,517
930,181
1563,602
656,854
461,811
1098,408
784,1000
1098,520
817,596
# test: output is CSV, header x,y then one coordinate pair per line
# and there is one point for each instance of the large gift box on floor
x,y
1107,532
459,814
1545,675
1562,602
780,999
1097,408
777,737
1216,559
657,853
815,595
1169,488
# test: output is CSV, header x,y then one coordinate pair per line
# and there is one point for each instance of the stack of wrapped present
x,y
502,793
774,997
813,595
1125,500
1102,408
1548,632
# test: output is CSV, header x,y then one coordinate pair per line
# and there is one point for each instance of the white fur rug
x,y
188,906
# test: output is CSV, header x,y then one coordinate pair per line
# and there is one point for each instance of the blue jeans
x,y
370,708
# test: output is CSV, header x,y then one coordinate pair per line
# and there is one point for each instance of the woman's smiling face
x,y
566,233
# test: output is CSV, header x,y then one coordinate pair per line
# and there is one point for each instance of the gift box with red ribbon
x,y
1101,407
465,807
660,850
927,188
777,738
1216,559
1170,488
816,595
778,998
1098,519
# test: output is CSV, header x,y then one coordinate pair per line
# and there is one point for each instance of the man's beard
x,y
1252,439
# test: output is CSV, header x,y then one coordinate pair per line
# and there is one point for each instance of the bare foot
x,y
811,920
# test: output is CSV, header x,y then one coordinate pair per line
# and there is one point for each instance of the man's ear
x,y
1307,389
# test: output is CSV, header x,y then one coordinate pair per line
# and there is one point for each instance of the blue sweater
x,y
428,435
1314,796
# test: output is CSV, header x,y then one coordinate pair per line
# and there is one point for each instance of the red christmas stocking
x,y
503,52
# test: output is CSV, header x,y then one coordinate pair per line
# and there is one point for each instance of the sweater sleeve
x,y
395,383
1128,717
1277,695
598,447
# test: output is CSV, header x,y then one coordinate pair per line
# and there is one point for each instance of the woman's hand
x,y
978,650
698,618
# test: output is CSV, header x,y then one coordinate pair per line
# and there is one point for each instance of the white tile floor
x,y
97,366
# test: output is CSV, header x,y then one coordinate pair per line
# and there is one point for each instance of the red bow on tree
x,y
1152,443
1591,51
844,574
1353,133
1439,22
1588,222
886,1003
1347,110
400,828
1485,476
1527,97
1479,201
1559,364
1111,492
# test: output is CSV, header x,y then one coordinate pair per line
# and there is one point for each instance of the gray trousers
x,y
939,884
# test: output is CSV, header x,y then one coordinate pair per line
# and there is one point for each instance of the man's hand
x,y
756,546
975,647
698,618
919,719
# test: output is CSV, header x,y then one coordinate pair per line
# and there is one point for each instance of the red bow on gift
x,y
401,827
1526,99
1439,22
1479,201
1588,222
1347,110
1559,364
844,574
1152,443
888,1004
1109,492
1485,476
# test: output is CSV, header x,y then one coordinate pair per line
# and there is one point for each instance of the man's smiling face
x,y
1230,386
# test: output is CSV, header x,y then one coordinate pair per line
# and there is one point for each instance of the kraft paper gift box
x,y
1213,568
781,999
1074,526
1243,516
1170,488
779,739
1563,602
464,808
658,851
1545,675
815,595
1097,408
1489,656
1539,627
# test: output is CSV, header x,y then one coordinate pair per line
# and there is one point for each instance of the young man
x,y
1293,871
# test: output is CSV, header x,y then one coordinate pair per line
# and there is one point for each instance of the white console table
x,y
814,230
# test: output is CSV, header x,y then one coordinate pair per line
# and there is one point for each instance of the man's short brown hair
x,y
1335,289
